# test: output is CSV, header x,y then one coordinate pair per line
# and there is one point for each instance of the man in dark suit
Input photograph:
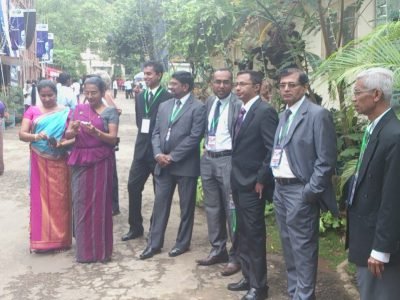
x,y
374,204
176,146
146,107
303,162
250,178
215,169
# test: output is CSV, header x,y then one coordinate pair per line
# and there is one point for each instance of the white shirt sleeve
x,y
381,256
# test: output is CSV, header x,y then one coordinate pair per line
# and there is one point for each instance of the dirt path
x,y
57,276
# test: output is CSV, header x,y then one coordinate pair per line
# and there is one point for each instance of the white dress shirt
x,y
223,140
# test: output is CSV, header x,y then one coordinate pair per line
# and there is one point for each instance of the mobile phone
x,y
52,141
85,123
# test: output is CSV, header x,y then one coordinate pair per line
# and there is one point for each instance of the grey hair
x,y
378,78
104,76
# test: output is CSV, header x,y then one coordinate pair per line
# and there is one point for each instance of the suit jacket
x,y
187,131
252,148
374,221
143,148
311,151
233,111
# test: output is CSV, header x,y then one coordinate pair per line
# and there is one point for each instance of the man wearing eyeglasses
x,y
373,228
215,169
251,177
303,162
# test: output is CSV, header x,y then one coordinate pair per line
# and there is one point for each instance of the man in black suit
x,y
146,107
176,145
251,177
373,202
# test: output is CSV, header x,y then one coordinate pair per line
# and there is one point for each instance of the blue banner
x,y
42,41
17,29
49,48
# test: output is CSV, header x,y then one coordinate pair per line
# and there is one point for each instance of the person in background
x,y
94,127
115,87
137,89
128,89
373,227
43,126
65,95
27,94
3,115
76,87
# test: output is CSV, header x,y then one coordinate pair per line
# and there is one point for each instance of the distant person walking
x,y
65,95
115,87
3,114
50,214
128,89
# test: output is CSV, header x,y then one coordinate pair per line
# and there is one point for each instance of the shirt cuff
x,y
381,256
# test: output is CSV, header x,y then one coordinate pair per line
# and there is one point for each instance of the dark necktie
x,y
215,120
239,121
285,125
149,99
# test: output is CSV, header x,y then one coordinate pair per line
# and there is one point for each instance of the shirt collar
x,y
375,122
248,105
295,107
184,99
154,91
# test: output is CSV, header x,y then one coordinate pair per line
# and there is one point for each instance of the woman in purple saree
x,y
95,129
50,193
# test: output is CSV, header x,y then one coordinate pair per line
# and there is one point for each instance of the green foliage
x,y
328,221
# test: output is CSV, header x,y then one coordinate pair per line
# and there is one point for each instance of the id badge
x,y
212,142
276,157
145,128
168,134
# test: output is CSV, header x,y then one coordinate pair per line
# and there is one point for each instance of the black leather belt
x,y
286,181
219,154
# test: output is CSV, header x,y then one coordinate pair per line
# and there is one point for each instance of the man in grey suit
x,y
215,169
373,227
176,138
303,162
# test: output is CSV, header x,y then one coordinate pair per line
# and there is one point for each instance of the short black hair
x,y
256,77
184,77
303,78
63,78
97,81
47,83
157,66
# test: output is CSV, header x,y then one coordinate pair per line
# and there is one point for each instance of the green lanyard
x,y
364,144
147,105
175,113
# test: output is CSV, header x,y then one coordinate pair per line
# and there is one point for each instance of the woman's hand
x,y
41,136
89,128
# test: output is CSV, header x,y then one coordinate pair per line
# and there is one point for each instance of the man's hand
x,y
259,189
163,160
376,267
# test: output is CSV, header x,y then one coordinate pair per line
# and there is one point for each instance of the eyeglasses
x,y
223,82
290,85
242,84
359,92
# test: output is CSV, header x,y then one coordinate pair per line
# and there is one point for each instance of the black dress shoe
x,y
149,252
230,269
175,252
212,260
242,285
256,294
132,234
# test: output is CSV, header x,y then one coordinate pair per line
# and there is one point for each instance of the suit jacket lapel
x,y
372,144
298,118
184,108
249,117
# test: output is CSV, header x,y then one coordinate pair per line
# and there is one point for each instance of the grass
x,y
331,244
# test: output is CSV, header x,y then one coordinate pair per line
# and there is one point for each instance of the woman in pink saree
x,y
50,194
94,127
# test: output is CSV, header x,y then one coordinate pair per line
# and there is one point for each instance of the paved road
x,y
57,276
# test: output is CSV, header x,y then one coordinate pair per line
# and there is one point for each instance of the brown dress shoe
x,y
230,269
